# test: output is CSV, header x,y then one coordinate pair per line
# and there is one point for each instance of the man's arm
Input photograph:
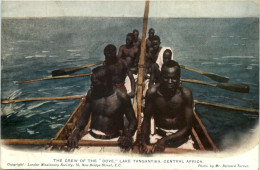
x,y
132,80
146,124
120,52
81,123
137,55
154,74
126,140
130,115
184,132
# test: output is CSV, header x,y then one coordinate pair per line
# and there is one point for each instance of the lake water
x,y
32,48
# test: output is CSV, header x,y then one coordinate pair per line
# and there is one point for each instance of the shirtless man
x,y
119,69
129,52
107,105
167,55
171,106
156,42
149,39
137,40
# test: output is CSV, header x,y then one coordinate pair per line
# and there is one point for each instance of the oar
x,y
66,71
57,77
212,76
43,98
252,111
241,88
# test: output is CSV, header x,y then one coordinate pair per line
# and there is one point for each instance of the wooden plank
x,y
70,118
214,148
197,139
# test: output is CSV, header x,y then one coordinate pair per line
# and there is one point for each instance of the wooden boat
x,y
200,136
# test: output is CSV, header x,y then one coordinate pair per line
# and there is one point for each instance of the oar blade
x,y
242,88
216,77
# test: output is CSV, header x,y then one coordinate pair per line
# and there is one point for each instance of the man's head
x,y
170,75
136,34
129,39
151,32
110,52
156,42
167,54
101,79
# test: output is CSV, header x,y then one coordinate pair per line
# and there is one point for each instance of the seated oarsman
x,y
151,33
129,52
152,72
171,106
153,69
107,105
118,68
156,54
137,40
167,55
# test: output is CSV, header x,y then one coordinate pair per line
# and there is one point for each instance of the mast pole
x,y
141,67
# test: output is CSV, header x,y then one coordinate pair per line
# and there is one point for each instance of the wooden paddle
x,y
57,77
253,111
241,88
212,76
66,71
43,98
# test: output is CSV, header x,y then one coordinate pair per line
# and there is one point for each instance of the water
x,y
32,48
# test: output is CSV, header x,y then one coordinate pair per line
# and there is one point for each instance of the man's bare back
x,y
118,69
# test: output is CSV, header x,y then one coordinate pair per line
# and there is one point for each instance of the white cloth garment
x,y
159,60
97,149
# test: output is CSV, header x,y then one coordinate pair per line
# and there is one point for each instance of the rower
x,y
149,39
137,40
108,106
156,54
171,106
118,69
129,52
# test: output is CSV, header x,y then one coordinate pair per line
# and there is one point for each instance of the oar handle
x,y
241,88
43,98
252,111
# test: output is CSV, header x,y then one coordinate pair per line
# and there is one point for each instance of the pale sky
x,y
130,8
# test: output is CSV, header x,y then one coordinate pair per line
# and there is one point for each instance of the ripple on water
x,y
37,105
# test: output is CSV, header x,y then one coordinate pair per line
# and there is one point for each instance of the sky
x,y
131,8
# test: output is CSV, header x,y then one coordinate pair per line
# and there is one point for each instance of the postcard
x,y
130,84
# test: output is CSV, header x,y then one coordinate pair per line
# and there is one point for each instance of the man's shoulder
x,y
152,90
122,47
186,91
120,93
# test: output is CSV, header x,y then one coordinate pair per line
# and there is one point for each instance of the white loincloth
x,y
159,60
187,145
97,149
